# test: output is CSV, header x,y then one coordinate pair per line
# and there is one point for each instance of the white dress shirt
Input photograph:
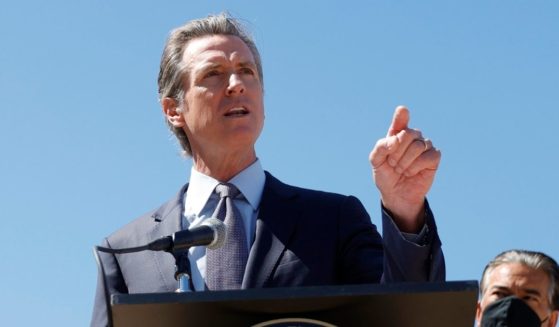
x,y
200,202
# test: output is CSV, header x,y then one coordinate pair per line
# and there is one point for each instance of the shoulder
x,y
138,231
309,197
130,234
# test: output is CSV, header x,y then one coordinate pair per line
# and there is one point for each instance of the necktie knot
x,y
227,190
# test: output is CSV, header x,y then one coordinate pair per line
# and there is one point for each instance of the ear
x,y
172,112
478,314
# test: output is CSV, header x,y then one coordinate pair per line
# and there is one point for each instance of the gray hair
x,y
531,259
172,70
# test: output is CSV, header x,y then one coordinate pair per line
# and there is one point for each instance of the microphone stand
x,y
182,271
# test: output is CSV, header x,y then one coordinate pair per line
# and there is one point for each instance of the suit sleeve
x,y
111,282
361,245
406,261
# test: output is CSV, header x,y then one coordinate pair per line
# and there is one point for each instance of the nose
x,y
235,86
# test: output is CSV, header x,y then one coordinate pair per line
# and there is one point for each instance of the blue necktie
x,y
225,266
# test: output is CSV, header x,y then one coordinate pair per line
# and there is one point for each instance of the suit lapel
x,y
275,223
169,218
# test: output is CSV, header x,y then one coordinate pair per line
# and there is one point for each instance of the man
x,y
532,277
211,93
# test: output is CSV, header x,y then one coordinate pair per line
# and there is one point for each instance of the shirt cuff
x,y
420,238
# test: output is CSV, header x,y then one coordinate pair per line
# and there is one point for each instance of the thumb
x,y
399,121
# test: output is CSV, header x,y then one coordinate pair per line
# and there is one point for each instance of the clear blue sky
x,y
85,148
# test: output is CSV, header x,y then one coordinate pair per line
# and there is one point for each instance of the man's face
x,y
526,283
223,105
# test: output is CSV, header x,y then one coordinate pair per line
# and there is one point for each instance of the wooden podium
x,y
399,305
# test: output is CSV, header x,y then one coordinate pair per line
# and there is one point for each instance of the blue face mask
x,y
510,312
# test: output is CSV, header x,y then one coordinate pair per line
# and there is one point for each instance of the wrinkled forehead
x,y
216,47
517,276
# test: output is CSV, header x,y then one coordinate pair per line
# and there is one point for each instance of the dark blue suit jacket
x,y
303,238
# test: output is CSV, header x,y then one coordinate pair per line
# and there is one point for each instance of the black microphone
x,y
210,233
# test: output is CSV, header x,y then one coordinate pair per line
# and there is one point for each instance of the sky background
x,y
85,148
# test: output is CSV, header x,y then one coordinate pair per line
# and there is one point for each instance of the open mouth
x,y
237,112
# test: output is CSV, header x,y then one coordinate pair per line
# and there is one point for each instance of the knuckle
x,y
410,135
406,133
418,145
417,133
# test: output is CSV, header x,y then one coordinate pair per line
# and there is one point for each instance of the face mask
x,y
509,312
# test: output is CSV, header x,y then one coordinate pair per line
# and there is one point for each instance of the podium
x,y
398,304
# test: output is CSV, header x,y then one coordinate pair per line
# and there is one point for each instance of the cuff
x,y
421,238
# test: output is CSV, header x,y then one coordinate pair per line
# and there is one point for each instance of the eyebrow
x,y
500,288
531,291
207,66
215,65
248,64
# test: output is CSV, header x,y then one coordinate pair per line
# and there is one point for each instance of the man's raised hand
x,y
404,164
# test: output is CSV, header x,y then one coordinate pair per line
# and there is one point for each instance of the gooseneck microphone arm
x,y
211,233
162,244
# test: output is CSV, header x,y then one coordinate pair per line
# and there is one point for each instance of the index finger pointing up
x,y
399,121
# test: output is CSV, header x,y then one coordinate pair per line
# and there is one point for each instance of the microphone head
x,y
218,228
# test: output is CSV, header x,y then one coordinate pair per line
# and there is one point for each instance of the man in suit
x,y
518,287
211,93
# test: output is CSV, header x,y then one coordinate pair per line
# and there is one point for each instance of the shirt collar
x,y
249,181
